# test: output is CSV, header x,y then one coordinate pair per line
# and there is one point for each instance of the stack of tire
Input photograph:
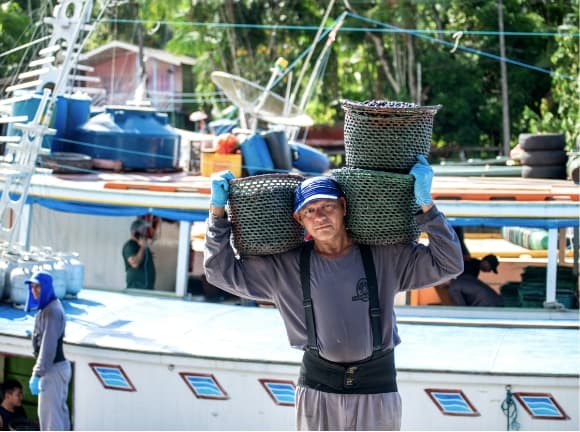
x,y
543,155
573,165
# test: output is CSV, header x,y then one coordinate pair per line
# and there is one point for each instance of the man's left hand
x,y
423,174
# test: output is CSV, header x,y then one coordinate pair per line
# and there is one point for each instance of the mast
x,y
53,74
504,84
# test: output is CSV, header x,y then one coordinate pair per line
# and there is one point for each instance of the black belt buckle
x,y
349,380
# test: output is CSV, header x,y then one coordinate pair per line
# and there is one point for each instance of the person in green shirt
x,y
139,264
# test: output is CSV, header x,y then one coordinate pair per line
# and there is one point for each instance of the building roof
x,y
107,50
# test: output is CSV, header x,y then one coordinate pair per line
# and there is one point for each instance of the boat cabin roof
x,y
452,339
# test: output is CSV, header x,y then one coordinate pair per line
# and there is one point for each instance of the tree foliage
x,y
386,49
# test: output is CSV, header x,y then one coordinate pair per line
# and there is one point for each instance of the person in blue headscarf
x,y
52,371
336,297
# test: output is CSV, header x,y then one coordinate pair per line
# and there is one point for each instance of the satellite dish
x,y
260,102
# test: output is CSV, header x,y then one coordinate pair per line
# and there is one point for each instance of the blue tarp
x,y
111,210
201,215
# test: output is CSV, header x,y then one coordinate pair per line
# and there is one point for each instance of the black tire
x,y
66,162
544,171
544,157
575,174
573,167
547,141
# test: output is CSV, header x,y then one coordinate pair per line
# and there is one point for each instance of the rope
x,y
354,29
510,410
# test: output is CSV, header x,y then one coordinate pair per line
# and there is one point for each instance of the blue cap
x,y
315,188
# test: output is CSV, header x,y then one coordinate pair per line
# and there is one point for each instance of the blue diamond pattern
x,y
113,377
453,403
542,406
283,393
205,386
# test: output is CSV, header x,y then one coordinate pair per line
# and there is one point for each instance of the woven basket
x,y
386,136
381,206
260,208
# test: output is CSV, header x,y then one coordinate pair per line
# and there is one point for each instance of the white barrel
x,y
75,271
59,278
18,291
56,268
7,263
3,267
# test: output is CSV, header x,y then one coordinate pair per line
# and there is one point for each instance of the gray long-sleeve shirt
x,y
338,285
49,326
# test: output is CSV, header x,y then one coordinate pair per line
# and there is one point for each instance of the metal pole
x,y
504,83
419,83
183,251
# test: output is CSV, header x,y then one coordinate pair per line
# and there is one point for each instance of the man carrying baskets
x,y
336,298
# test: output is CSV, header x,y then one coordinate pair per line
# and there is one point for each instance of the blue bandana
x,y
315,188
44,279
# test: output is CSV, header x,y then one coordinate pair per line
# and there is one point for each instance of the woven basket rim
x,y
266,177
354,106
364,171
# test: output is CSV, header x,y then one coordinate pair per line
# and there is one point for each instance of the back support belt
x,y
376,375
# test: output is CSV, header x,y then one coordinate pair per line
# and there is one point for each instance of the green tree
x,y
559,110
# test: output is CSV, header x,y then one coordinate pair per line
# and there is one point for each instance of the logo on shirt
x,y
362,291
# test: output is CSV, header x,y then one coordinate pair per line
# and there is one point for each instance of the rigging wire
x,y
471,50
389,28
353,29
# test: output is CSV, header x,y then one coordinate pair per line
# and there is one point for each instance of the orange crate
x,y
212,162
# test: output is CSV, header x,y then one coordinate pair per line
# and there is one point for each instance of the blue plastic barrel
x,y
79,109
59,122
28,108
140,138
280,152
257,159
309,160
222,126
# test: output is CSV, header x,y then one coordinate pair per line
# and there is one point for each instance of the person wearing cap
x,y
199,118
138,258
468,290
336,298
52,371
488,263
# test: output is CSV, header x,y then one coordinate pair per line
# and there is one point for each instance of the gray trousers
x,y
316,410
52,409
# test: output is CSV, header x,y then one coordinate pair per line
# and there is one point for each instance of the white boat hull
x,y
144,363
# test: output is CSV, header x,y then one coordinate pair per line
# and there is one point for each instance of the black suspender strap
x,y
305,253
374,306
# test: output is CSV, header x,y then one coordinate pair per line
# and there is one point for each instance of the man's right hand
x,y
143,241
34,385
220,187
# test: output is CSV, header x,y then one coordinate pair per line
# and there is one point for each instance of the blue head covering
x,y
315,188
44,279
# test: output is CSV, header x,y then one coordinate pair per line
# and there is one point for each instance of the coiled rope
x,y
510,410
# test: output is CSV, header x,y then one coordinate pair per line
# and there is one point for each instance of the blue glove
x,y
220,187
423,174
34,385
